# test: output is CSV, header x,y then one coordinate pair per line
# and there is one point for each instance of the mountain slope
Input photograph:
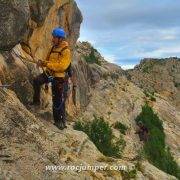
x,y
29,140
159,75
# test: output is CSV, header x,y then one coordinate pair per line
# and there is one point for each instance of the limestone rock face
x,y
159,75
89,74
154,173
18,74
118,101
36,19
64,14
84,49
170,116
39,10
14,22
121,101
162,76
28,140
28,145
21,20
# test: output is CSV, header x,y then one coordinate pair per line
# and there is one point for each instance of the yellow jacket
x,y
58,60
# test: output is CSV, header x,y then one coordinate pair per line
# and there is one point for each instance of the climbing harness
x,y
50,79
24,59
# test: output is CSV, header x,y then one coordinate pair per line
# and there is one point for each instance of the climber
x,y
142,131
57,62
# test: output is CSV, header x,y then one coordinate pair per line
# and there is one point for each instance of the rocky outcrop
x,y
29,140
118,101
159,75
63,13
21,20
14,22
31,147
39,10
153,173
103,67
16,74
88,75
36,21
170,116
28,145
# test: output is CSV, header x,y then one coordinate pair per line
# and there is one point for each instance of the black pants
x,y
58,98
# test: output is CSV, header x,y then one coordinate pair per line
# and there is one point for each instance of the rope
x,y
24,59
34,58
5,85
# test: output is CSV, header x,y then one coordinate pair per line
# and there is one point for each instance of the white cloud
x,y
169,37
169,50
158,35
110,58
128,66
161,52
169,34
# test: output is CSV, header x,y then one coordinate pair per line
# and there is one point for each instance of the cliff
x,y
160,76
29,141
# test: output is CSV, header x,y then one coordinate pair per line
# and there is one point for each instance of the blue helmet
x,y
59,32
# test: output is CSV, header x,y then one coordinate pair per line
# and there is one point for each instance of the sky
x,y
126,31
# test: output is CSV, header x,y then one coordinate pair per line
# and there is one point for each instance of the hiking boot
x,y
59,125
64,124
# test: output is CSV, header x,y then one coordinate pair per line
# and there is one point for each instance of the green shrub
x,y
114,76
91,58
100,133
146,93
78,125
121,127
109,113
155,148
145,69
141,155
149,118
152,98
105,76
127,175
150,95
177,85
1,51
